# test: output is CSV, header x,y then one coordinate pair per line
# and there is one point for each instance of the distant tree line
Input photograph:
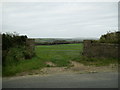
x,y
56,42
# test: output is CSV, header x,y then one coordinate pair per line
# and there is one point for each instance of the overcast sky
x,y
60,19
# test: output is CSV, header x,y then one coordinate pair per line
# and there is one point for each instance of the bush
x,y
112,37
11,40
15,48
14,55
28,53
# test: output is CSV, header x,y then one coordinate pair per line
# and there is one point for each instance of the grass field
x,y
60,55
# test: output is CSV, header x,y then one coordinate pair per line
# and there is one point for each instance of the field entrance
x,y
51,59
60,55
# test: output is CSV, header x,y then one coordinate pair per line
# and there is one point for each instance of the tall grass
x,y
23,66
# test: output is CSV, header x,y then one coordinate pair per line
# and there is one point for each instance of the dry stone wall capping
x,y
95,49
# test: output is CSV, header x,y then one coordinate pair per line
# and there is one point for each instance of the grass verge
x,y
96,61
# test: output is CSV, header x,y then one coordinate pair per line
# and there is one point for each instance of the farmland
x,y
60,55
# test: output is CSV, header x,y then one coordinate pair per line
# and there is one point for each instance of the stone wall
x,y
30,48
95,49
31,43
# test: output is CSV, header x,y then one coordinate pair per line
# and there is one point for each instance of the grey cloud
x,y
60,19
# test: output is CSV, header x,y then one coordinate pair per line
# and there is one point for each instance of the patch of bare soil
x,y
50,64
76,68
93,69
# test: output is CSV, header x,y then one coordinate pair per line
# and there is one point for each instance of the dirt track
x,y
77,68
78,76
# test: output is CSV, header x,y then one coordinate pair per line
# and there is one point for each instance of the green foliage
x,y
28,53
112,37
14,55
23,66
14,48
11,40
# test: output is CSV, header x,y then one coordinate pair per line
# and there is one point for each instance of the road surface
x,y
66,80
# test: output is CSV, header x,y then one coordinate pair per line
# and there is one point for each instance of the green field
x,y
60,55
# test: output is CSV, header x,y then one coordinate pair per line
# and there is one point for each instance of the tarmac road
x,y
66,80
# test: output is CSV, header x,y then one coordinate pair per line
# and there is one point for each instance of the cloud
x,y
60,19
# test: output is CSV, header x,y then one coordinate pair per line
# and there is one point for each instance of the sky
x,y
60,19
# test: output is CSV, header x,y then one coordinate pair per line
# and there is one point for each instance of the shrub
x,y
14,55
15,48
112,37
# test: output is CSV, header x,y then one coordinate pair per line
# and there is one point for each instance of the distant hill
x,y
52,41
66,39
